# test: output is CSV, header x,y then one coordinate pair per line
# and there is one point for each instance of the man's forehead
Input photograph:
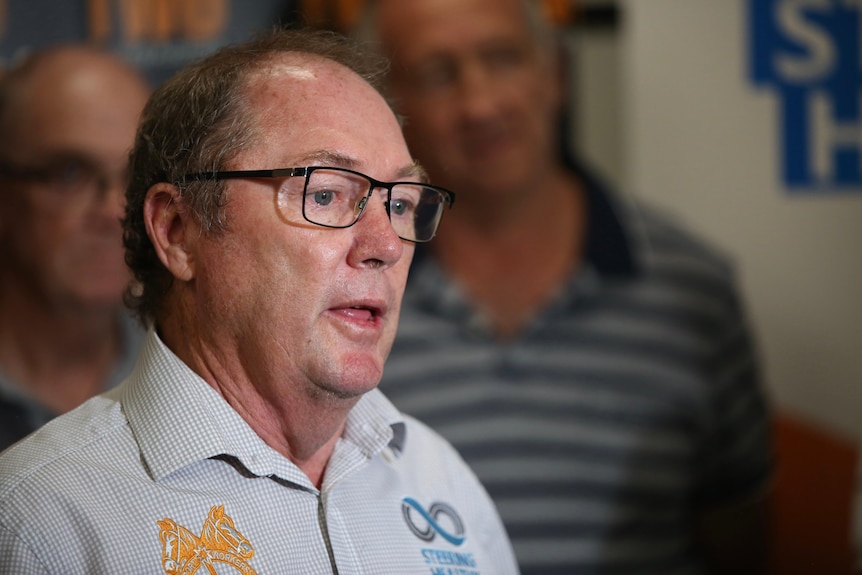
x,y
294,103
282,87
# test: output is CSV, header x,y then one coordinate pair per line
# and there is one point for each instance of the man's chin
x,y
358,375
98,299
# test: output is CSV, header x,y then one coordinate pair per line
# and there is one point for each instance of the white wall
x,y
701,141
596,99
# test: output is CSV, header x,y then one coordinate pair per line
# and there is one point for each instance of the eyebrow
x,y
330,158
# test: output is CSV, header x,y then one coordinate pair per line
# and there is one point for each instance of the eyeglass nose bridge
x,y
362,203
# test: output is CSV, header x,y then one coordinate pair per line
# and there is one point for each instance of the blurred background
x,y
741,117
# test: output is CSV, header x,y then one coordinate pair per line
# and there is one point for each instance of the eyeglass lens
x,y
337,198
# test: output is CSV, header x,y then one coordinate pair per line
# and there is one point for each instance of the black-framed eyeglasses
x,y
337,198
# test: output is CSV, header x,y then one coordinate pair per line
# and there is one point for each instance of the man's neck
x,y
512,263
301,423
307,435
302,427
60,359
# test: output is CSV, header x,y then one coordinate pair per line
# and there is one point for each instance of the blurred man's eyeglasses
x,y
68,184
337,198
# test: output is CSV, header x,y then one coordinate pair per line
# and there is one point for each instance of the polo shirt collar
x,y
609,247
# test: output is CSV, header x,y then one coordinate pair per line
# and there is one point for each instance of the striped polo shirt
x,y
628,404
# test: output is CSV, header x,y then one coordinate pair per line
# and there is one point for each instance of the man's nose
x,y
476,89
376,239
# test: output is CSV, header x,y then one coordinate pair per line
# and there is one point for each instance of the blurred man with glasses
x,y
272,215
67,121
588,356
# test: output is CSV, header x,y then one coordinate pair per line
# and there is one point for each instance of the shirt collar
x,y
609,248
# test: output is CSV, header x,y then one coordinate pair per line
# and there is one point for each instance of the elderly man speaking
x,y
270,223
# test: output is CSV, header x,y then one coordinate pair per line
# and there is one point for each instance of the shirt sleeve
x,y
736,456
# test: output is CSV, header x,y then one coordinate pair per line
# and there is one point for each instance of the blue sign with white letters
x,y
810,53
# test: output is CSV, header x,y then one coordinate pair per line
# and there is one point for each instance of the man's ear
x,y
169,226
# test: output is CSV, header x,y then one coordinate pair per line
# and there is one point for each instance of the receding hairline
x,y
300,64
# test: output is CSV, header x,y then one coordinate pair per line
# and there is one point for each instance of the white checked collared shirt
x,y
161,475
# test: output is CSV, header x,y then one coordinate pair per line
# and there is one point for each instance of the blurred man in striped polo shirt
x,y
588,357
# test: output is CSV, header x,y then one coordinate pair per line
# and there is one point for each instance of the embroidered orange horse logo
x,y
183,552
